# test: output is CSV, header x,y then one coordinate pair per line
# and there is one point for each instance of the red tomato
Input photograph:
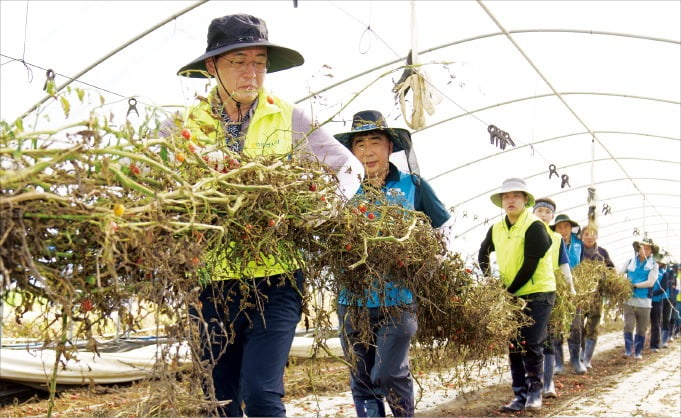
x,y
186,133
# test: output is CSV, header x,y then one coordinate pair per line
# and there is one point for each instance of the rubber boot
x,y
628,344
574,359
589,347
518,403
665,338
369,407
639,340
534,376
402,408
549,388
558,353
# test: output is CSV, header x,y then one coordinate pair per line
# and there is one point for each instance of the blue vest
x,y
658,286
637,276
574,250
399,192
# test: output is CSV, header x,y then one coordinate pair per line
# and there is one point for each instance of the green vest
x,y
270,132
509,245
555,248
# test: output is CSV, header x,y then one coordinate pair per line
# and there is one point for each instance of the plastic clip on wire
x,y
49,85
564,181
132,106
606,209
499,138
552,171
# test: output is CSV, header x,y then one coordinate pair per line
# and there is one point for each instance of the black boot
x,y
518,403
534,374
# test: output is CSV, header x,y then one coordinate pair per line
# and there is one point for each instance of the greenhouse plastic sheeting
x,y
35,365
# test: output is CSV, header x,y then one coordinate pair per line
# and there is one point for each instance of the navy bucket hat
x,y
238,31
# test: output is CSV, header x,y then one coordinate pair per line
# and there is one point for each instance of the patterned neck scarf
x,y
233,135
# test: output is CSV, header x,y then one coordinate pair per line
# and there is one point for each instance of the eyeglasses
x,y
241,65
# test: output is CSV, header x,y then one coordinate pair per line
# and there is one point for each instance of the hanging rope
x,y
414,78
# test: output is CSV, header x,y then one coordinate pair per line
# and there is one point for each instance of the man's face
x,y
564,229
242,72
373,149
544,213
513,203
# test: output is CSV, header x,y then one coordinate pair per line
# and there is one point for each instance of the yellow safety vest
x,y
270,132
556,238
509,245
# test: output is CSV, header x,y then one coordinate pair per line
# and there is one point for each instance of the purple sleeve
x,y
317,141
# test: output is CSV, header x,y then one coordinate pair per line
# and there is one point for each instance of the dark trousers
x,y
246,350
380,367
526,355
667,318
655,324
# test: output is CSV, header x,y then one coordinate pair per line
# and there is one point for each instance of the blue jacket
x,y
658,291
413,193
574,249
639,274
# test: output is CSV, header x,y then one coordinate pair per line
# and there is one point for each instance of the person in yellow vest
x,y
246,350
544,209
522,244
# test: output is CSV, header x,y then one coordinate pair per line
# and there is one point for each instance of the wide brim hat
x,y
239,31
646,241
513,185
372,120
563,218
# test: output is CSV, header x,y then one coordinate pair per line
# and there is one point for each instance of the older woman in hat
x,y
642,271
592,316
246,350
380,367
567,228
522,244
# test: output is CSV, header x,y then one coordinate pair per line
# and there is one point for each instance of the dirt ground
x,y
614,387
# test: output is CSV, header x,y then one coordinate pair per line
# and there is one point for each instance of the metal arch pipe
x,y
555,138
480,37
541,96
560,97
114,52
489,220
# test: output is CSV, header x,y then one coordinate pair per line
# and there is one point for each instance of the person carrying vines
x,y
379,355
657,297
248,316
592,315
565,227
544,209
522,244
642,271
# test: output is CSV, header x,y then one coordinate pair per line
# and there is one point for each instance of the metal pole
x,y
114,52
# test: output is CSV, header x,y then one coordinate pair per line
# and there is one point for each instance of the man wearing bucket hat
x,y
246,349
567,228
380,368
642,271
544,208
522,244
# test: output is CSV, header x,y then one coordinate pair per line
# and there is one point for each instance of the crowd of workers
x,y
245,350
